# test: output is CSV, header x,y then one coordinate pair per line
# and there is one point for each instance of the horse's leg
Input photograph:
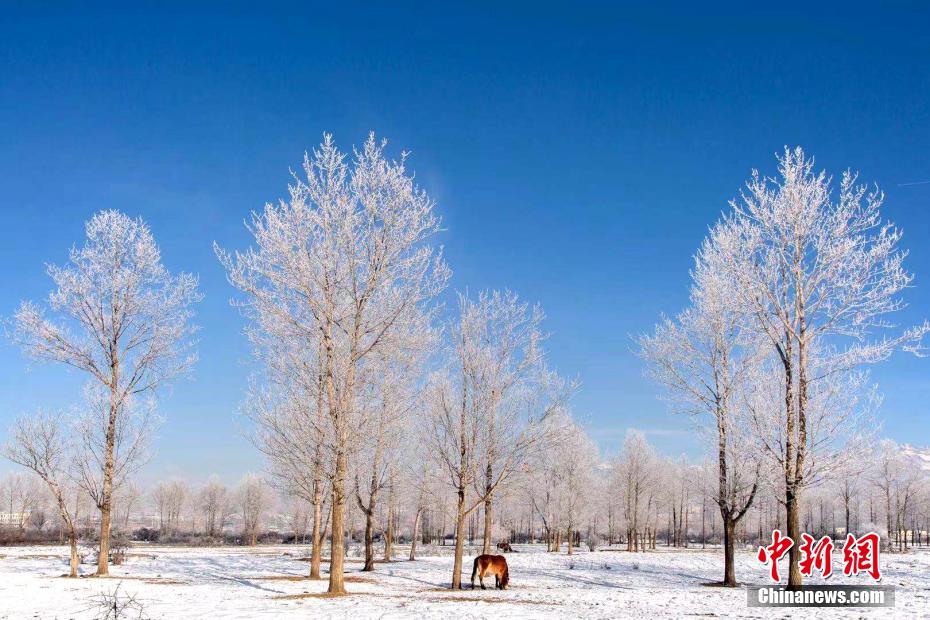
x,y
481,579
497,581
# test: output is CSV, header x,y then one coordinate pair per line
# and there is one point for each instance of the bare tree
x,y
298,519
170,498
343,266
128,497
41,445
134,427
214,502
848,485
19,494
123,319
254,498
818,277
420,476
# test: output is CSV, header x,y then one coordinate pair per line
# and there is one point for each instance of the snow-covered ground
x,y
266,582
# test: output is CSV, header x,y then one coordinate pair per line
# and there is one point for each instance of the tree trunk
x,y
389,537
106,499
847,517
703,522
486,547
413,537
459,540
391,518
792,523
337,536
369,541
72,540
684,540
729,544
489,472
794,531
794,556
316,554
103,558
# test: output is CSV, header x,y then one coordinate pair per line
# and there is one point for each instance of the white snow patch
x,y
178,582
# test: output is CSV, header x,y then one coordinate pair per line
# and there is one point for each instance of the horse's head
x,y
505,578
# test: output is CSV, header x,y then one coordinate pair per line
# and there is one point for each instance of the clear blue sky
x,y
578,153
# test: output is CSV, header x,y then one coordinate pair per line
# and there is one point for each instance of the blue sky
x,y
578,153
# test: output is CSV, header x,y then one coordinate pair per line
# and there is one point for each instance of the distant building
x,y
13,519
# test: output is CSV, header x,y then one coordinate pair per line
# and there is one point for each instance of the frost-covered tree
x,y
131,434
819,275
254,498
123,319
473,429
213,501
635,472
419,473
510,341
541,482
390,399
344,266
170,498
19,495
41,444
575,460
847,487
298,517
290,428
898,480
704,360
128,499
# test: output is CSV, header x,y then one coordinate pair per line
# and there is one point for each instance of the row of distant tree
x,y
677,508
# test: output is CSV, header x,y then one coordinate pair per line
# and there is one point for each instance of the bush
x,y
119,547
145,534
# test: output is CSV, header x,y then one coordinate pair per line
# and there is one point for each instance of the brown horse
x,y
491,564
505,547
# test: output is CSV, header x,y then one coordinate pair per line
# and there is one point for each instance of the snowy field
x,y
267,582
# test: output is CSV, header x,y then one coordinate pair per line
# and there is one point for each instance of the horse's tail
x,y
474,572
